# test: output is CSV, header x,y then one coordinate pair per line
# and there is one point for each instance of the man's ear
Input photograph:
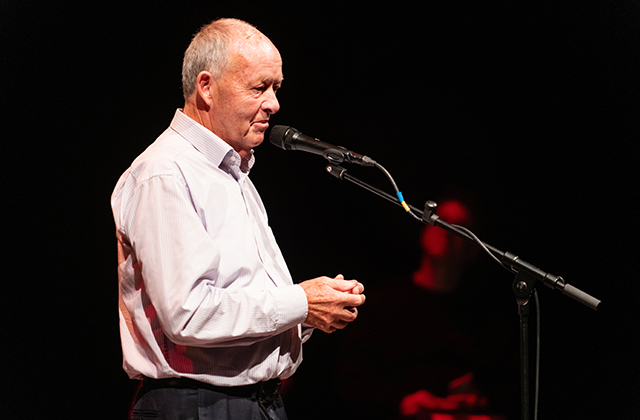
x,y
206,87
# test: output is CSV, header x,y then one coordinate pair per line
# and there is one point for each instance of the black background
x,y
532,107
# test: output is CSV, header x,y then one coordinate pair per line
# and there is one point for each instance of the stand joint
x,y
429,216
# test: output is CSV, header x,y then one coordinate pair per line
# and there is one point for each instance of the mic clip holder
x,y
335,156
340,154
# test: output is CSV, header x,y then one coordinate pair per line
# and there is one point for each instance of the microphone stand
x,y
523,285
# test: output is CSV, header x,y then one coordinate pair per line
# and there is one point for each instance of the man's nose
x,y
271,104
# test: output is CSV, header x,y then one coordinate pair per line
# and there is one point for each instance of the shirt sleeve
x,y
178,262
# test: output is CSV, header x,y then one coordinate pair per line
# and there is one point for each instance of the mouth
x,y
261,125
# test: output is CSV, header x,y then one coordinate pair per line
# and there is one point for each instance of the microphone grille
x,y
278,134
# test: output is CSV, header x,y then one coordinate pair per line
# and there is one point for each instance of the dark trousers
x,y
201,403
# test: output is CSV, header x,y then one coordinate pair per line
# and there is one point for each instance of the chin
x,y
256,139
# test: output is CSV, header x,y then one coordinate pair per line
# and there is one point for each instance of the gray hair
x,y
210,50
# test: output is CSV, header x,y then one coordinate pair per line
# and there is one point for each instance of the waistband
x,y
265,392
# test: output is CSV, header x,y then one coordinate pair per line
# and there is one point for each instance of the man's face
x,y
244,97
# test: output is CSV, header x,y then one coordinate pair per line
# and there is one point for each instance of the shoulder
x,y
160,161
162,158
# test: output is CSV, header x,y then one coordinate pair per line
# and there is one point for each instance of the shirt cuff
x,y
292,306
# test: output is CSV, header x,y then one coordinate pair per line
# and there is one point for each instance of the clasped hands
x,y
333,302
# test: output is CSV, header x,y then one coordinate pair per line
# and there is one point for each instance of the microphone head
x,y
281,136
288,138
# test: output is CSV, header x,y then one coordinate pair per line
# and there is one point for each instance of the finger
x,y
336,325
358,289
349,314
342,285
339,325
353,300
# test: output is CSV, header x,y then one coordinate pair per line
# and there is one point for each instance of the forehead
x,y
257,63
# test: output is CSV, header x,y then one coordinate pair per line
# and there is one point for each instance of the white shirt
x,y
204,290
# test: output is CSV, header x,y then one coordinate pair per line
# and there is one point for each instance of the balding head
x,y
216,46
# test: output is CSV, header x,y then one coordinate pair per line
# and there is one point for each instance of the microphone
x,y
288,138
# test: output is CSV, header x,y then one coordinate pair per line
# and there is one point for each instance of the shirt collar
x,y
216,150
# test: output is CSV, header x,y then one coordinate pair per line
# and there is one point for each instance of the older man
x,y
210,318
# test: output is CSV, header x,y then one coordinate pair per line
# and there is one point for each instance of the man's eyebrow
x,y
269,81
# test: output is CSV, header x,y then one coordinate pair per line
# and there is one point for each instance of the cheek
x,y
236,106
244,112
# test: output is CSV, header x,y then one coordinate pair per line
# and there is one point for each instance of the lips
x,y
262,124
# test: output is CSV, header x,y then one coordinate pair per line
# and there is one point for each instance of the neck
x,y
199,114
192,111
